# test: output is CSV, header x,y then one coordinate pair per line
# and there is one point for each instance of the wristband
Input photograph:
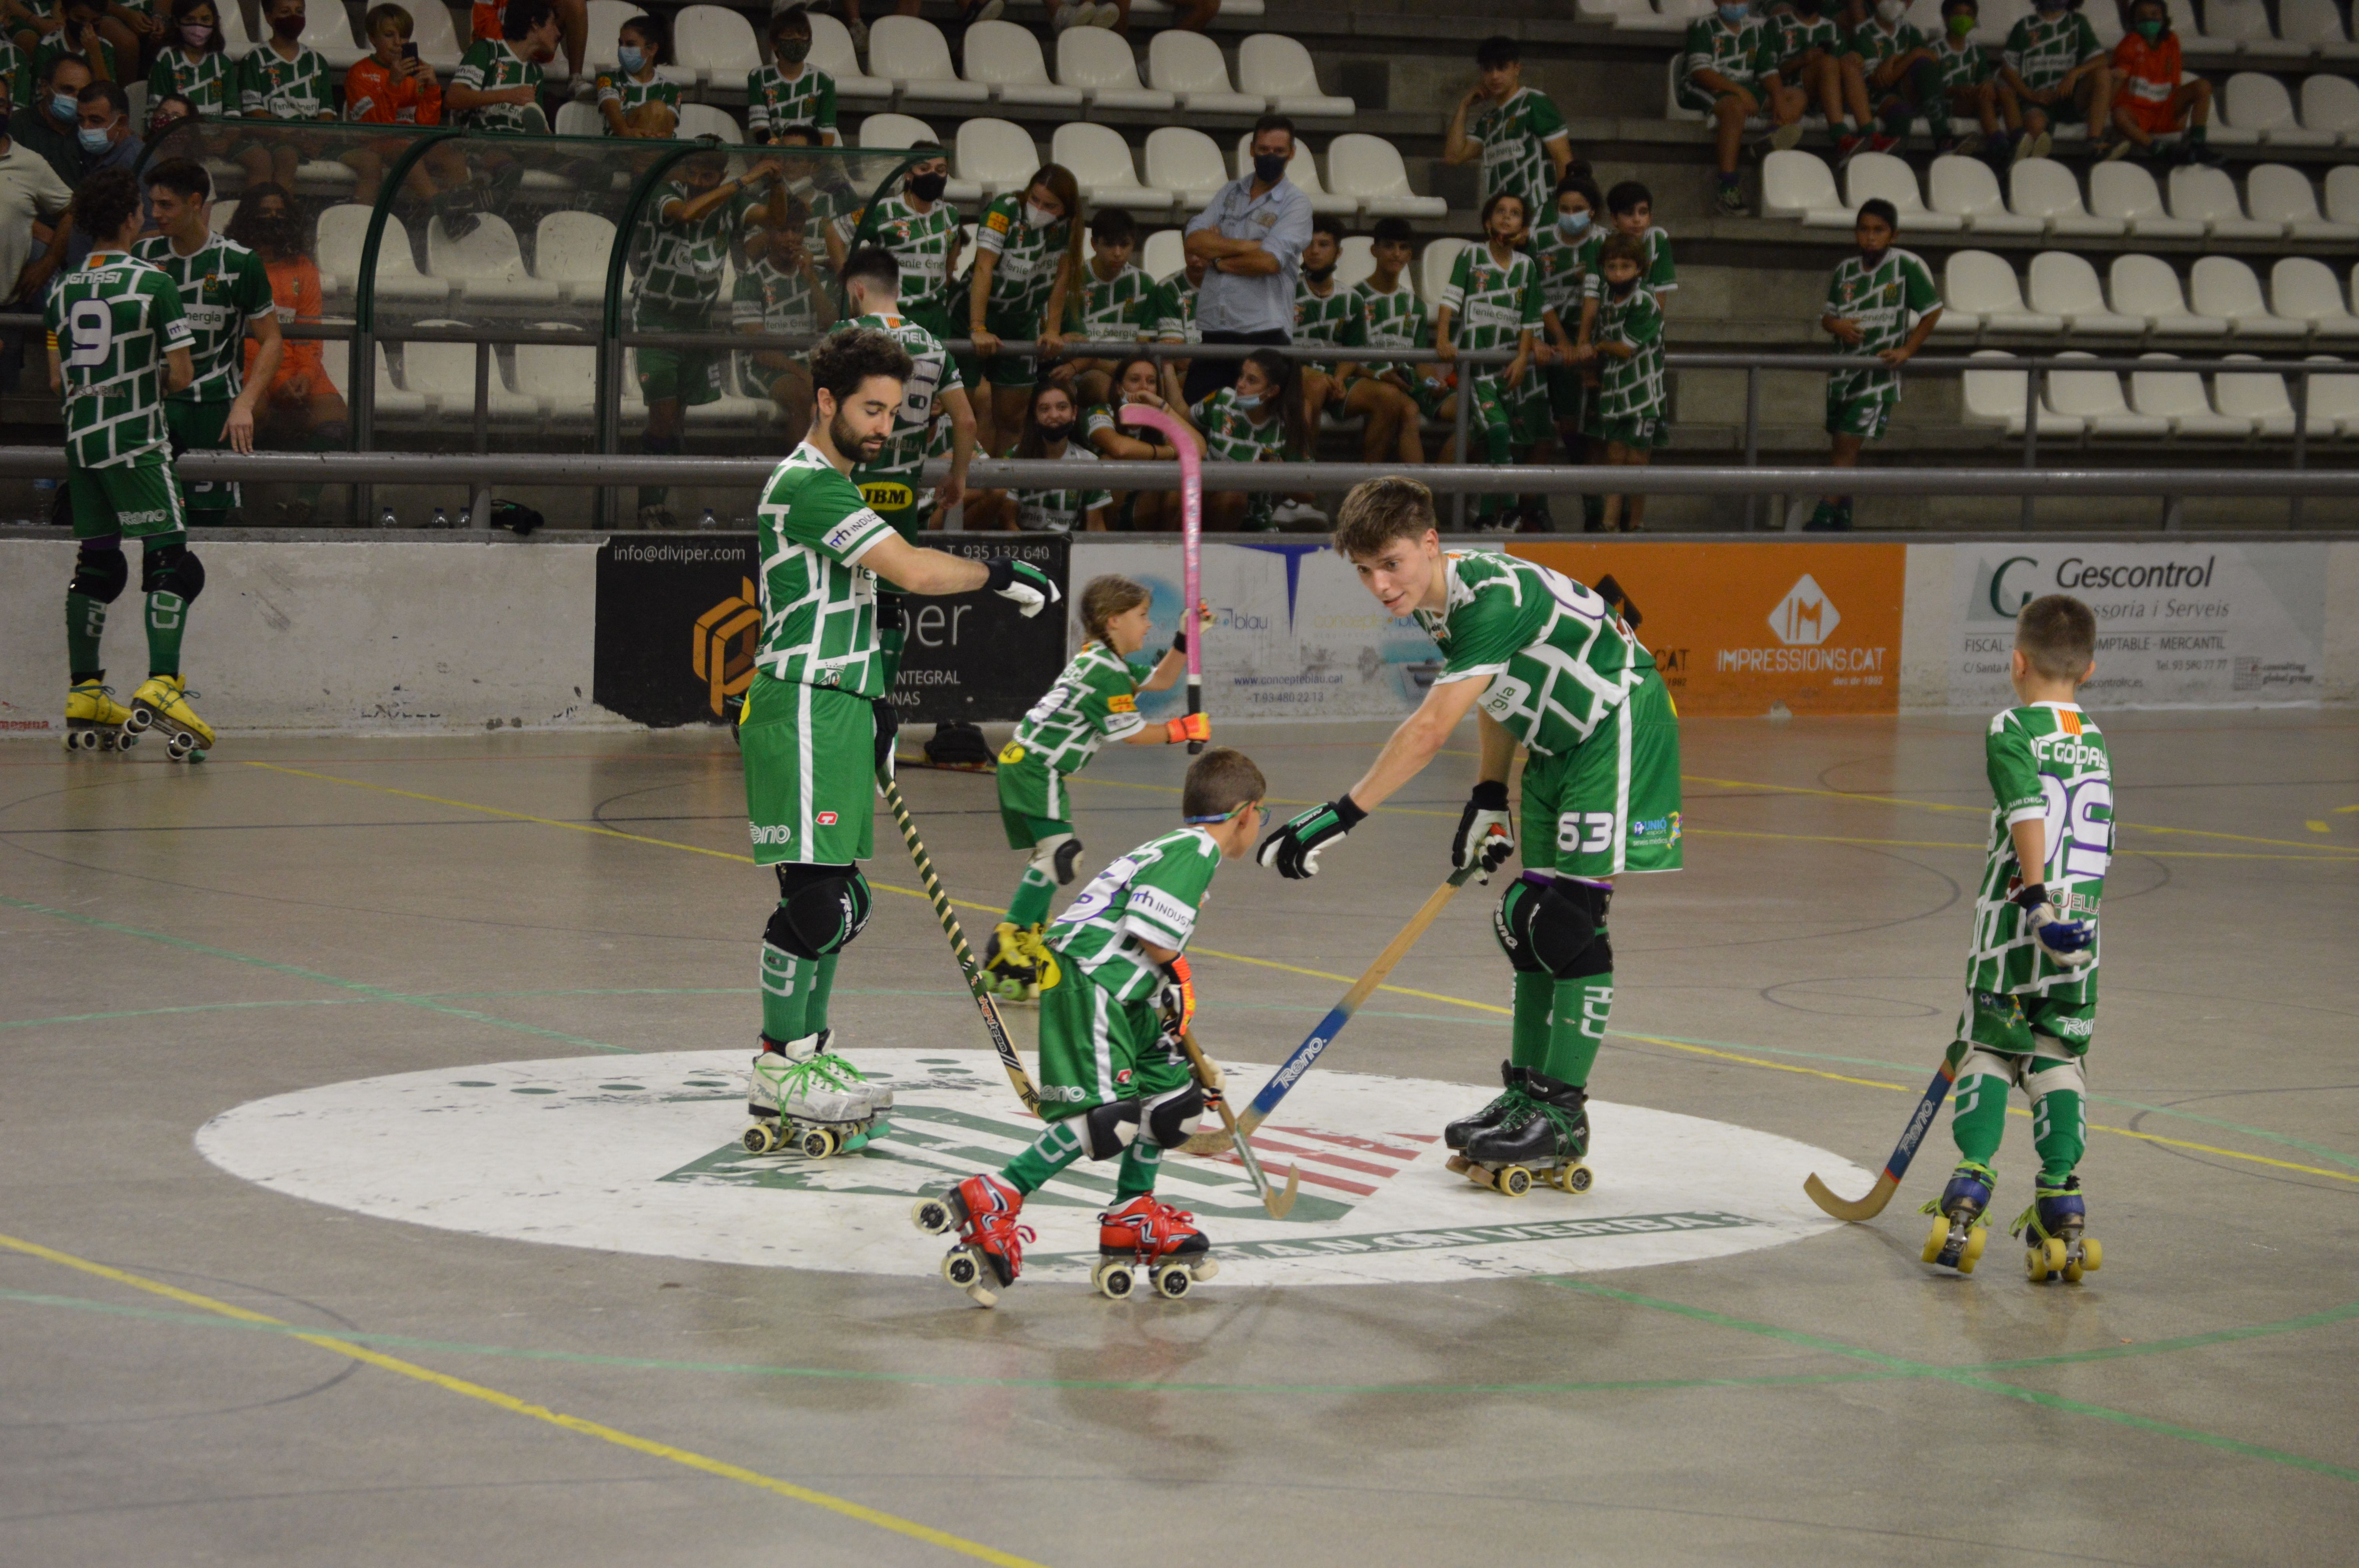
x,y
2031,896
1348,813
1490,795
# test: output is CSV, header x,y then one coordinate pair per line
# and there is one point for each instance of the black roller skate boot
x,y
1456,1134
1545,1136
2052,1231
1960,1229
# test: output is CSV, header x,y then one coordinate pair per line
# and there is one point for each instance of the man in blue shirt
x,y
1251,239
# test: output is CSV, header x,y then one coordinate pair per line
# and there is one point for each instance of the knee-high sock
x,y
2059,1131
1978,1119
85,629
1054,1149
1140,1163
1527,1041
822,986
1030,906
1577,1027
656,446
167,619
787,983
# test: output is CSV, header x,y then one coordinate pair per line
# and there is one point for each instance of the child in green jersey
x,y
2056,72
1052,432
1516,130
1258,420
1565,252
1493,301
1138,379
1110,304
1631,206
789,90
2031,979
1027,253
1405,394
282,79
194,61
1810,45
1969,89
1094,701
781,289
633,99
1327,312
1730,74
1115,1078
1891,61
497,84
1869,302
1633,402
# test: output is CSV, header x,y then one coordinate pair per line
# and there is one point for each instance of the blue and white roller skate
x,y
2051,1228
1960,1233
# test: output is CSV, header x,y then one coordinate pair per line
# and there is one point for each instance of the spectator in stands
x,y
301,408
1494,301
1969,87
1632,207
1138,379
922,231
488,23
2155,104
1396,319
1171,311
392,86
47,126
1326,312
1109,305
1251,238
1810,45
1564,252
1899,77
79,38
168,111
632,100
1053,434
104,130
16,71
790,89
1730,75
1258,419
1027,250
194,60
282,79
781,289
1516,130
497,84
1634,404
132,32
1869,301
2057,70
33,198
30,21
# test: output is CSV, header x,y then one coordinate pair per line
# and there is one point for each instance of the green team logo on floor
x,y
640,1154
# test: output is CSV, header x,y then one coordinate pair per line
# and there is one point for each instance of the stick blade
x,y
1867,1207
1279,1203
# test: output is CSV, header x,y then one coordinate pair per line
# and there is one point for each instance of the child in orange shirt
x,y
394,87
2151,102
301,407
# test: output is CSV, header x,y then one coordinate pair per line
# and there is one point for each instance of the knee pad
x,y
1056,856
1169,1119
1108,1129
171,568
1553,927
2049,1070
1985,1064
100,575
819,911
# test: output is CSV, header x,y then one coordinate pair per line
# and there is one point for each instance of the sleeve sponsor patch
x,y
1159,917
850,531
1122,705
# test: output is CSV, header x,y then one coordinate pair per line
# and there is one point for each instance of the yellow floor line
x,y
514,1406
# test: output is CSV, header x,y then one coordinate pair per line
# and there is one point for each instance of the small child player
x,y
2031,975
1869,300
1633,402
1095,700
1115,1080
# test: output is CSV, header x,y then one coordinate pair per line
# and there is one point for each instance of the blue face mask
x,y
631,60
1573,222
1732,15
1246,400
64,105
95,141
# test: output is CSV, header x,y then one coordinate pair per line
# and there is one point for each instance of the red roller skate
x,y
990,1252
1150,1235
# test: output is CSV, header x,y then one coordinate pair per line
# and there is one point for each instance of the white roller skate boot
x,y
803,1095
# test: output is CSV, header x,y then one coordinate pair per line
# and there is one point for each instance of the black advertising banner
x,y
678,619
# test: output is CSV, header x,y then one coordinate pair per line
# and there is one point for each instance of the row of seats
x,y
2044,198
1981,293
2162,403
2230,29
538,383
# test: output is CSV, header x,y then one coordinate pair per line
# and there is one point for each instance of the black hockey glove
x,y
1023,582
1294,849
1483,833
888,726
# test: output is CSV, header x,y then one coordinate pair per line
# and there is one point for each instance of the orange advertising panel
x,y
1738,626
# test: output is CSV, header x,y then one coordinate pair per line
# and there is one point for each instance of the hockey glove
x,y
1023,582
1483,832
1180,638
1195,726
1294,849
888,727
2065,941
1176,997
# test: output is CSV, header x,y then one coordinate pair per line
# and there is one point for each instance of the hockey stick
x,y
1921,1121
992,1023
1290,1071
1192,535
1279,1203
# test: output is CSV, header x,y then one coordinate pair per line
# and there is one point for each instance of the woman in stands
x,y
194,62
1027,255
302,409
1258,420
631,99
1136,380
1052,433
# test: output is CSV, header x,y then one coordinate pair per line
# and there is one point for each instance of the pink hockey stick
x,y
1192,535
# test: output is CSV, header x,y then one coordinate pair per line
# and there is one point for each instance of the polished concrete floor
x,y
198,1369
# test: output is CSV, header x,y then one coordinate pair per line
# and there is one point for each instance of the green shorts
x,y
1033,803
690,377
1568,395
1639,432
2066,110
1865,417
197,428
138,500
2006,1021
1095,1050
810,773
1698,100
1612,804
1014,371
1592,423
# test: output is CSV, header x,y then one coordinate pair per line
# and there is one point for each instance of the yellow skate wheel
x,y
2071,1270
2054,1255
1937,1239
1977,1239
1172,1281
962,1267
931,1215
2092,1255
1114,1279
757,1140
1577,1178
819,1143
1514,1181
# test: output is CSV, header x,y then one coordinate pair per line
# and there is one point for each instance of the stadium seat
x,y
392,401
2094,397
237,38
2306,290
562,378
329,30
1966,189
2331,104
2342,193
1610,12
343,229
2225,288
1100,64
832,51
1994,400
994,156
2000,16
1369,170
2247,23
911,53
1164,253
964,265
1982,285
572,250
1304,172
1279,69
2197,42
2319,24
716,43
2065,285
2043,188
1100,163
437,40
2335,397
2261,104
1183,159
488,265
2261,397
906,131
1796,184
2178,396
706,120
2279,193
446,372
1358,260
1433,268
2210,195
1189,65
2227,130
1669,18
221,215
1006,59
2145,285
2124,189
579,119
1871,175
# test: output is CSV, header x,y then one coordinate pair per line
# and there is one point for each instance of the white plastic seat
x,y
488,265
437,40
1872,175
1098,64
2342,193
1358,260
1670,17
1165,253
2179,396
2227,131
1183,159
1100,163
329,30
2280,193
2330,105
2043,188
1796,184
343,229
2261,103
708,119
2225,288
2319,24
2124,189
1189,67
1999,17
1609,13
2209,194
2304,289
2094,397
1966,189
994,156
1304,172
221,214
1279,69
395,401
832,51
1434,265
1369,170
2197,42
1994,400
911,53
2335,397
446,372
575,118
1981,285
714,42
2065,285
572,250
2145,285
562,379
2247,23
2261,396
1006,59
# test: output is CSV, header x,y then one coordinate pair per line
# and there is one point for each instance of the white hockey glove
x,y
1026,584
2065,941
1483,832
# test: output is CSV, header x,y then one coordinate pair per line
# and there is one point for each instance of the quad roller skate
x,y
2050,1228
1016,963
162,702
990,1251
1543,1133
1960,1229
804,1097
95,720
1456,1134
1146,1236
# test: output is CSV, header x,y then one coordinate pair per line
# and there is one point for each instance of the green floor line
x,y
191,1007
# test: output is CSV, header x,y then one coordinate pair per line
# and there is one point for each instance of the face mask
x,y
632,60
94,140
1573,222
1248,401
2151,31
1960,26
928,186
65,105
1892,10
1732,15
1038,216
1806,7
1319,274
1056,432
1621,290
794,51
1269,168
287,27
196,34
1875,258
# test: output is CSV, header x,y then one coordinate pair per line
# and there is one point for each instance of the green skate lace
x,y
1933,1205
2030,1216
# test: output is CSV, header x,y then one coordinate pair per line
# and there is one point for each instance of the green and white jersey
x,y
1061,511
1491,305
1564,267
1151,894
1744,53
1171,310
933,372
298,89
1797,36
1028,258
1554,657
1961,63
628,93
1396,320
685,259
16,70
1095,700
1113,310
771,298
1632,388
773,103
1339,316
920,242
1514,138
1658,277
112,322
2046,762
493,65
2041,50
818,603
223,287
1230,437
1883,299
1874,45
207,80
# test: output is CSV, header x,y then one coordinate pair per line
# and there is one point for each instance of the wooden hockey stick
x,y
1921,1121
1277,1203
992,1023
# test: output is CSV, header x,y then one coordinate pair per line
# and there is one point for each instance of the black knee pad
x,y
1108,1129
1169,1119
821,910
100,575
1551,928
171,568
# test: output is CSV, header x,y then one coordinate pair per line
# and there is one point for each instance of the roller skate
x,y
1456,1134
1960,1230
990,1251
803,1095
1151,1236
2050,1228
163,701
95,720
1016,963
1543,1134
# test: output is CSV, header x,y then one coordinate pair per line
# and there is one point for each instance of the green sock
x,y
1050,1152
1577,1027
1030,905
85,629
2060,1131
1978,1119
1528,1041
2195,134
822,984
786,986
889,644
168,618
1140,1162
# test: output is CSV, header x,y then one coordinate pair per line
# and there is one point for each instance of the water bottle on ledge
x,y
389,519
